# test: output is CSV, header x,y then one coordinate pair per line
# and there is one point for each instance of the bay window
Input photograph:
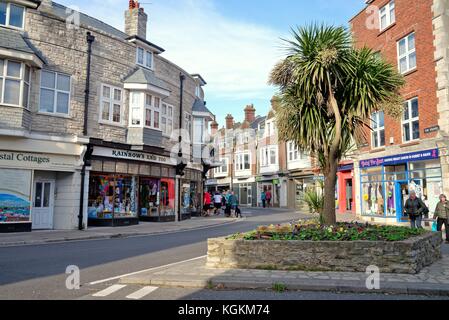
x,y
11,15
293,152
269,156
410,121
111,104
14,83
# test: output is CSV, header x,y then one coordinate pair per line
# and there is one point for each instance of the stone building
x,y
410,154
90,120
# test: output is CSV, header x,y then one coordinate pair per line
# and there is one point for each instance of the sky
x,y
233,44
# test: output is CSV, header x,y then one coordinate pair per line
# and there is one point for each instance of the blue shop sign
x,y
401,158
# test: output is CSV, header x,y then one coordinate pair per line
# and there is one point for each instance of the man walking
x,y
415,208
217,203
442,214
268,196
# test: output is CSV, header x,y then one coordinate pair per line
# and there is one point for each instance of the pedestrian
x,y
442,215
228,207
234,203
217,202
206,204
263,197
268,196
415,208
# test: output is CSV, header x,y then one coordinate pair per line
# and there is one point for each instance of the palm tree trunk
x,y
329,217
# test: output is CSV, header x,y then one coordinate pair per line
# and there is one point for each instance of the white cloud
x,y
234,57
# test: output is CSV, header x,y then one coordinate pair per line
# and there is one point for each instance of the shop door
x,y
244,196
348,194
42,213
401,196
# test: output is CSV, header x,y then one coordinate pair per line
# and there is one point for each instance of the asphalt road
x,y
38,271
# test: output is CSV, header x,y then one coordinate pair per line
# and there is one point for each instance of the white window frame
x,y
219,170
22,82
240,161
377,129
111,100
266,156
188,124
407,53
293,153
136,107
146,53
55,95
167,117
8,16
387,9
410,120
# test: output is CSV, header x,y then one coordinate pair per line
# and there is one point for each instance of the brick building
x,y
410,154
89,119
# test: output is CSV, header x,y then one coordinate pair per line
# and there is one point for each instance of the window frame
x,y
240,162
146,53
21,80
111,100
388,8
377,130
8,16
407,53
167,118
410,121
219,170
55,93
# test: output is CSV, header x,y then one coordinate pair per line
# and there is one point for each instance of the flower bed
x,y
341,232
344,247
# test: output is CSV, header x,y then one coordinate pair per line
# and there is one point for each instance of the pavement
x,y
432,280
93,233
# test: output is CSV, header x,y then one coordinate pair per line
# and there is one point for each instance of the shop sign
x,y
396,159
36,160
346,167
275,181
211,182
132,155
258,179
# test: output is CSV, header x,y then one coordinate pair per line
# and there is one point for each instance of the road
x,y
38,271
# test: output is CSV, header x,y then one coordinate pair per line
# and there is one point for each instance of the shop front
x,y
39,190
298,184
272,185
191,194
127,186
345,188
385,183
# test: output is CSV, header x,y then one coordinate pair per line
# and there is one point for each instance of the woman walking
x,y
442,215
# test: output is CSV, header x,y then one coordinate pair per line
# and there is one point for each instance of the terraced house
x,y
90,119
410,154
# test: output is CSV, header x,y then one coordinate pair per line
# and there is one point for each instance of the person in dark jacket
x,y
415,208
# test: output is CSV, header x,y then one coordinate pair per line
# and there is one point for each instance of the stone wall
x,y
408,256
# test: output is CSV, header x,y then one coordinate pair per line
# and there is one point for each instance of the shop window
x,y
15,197
149,197
378,129
410,121
112,197
167,197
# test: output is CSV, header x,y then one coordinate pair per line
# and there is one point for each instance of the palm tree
x,y
328,90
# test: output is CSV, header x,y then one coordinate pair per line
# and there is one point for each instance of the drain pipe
x,y
181,94
90,39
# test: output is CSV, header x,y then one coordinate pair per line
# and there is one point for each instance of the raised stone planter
x,y
408,256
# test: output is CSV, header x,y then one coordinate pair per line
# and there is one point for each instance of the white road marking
x,y
109,290
141,292
137,272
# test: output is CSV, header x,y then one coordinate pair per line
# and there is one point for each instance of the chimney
x,y
213,128
136,20
250,113
229,122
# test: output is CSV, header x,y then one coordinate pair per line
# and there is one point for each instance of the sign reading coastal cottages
x,y
132,155
401,158
38,161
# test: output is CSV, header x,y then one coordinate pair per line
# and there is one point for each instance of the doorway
x,y
402,192
43,203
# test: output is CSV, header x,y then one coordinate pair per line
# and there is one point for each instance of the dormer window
x,y
144,58
11,15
